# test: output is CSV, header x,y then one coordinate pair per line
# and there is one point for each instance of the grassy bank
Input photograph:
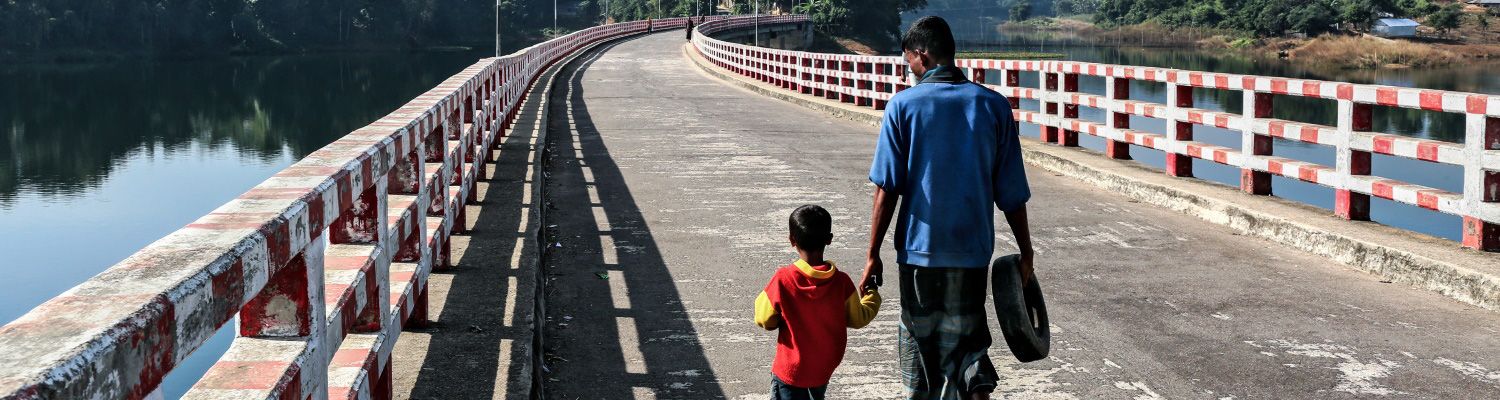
x,y
1366,52
1472,41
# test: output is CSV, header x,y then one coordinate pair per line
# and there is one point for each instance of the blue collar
x,y
944,74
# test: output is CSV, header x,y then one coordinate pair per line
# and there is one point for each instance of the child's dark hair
x,y
930,33
811,227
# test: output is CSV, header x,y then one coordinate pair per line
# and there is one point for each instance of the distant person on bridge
x,y
950,150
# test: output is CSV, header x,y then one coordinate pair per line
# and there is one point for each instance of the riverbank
x,y
1471,42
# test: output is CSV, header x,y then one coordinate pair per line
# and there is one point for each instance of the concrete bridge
x,y
591,218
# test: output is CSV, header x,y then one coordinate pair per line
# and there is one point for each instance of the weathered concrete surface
x,y
676,188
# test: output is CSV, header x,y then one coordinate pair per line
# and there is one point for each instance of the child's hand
x,y
871,278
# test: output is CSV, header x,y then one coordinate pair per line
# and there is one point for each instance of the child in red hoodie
x,y
811,303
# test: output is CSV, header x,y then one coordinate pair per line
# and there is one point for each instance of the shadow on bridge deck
x,y
614,308
476,345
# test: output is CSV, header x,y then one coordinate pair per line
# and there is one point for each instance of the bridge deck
x,y
669,191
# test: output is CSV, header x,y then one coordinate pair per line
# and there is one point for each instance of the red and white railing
x,y
323,263
872,80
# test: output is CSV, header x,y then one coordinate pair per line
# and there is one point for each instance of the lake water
x,y
1476,78
103,159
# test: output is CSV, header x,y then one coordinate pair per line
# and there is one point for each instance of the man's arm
x,y
1022,229
880,222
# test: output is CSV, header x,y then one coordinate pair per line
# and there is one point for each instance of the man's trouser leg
x,y
944,334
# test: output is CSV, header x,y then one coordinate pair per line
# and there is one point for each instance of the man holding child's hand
x,y
950,150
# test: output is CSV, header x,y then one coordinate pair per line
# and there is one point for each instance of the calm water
x,y
102,160
1415,123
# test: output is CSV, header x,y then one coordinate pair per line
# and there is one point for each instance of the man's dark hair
x,y
930,33
811,227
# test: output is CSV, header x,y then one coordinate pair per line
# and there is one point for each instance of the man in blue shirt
x,y
949,150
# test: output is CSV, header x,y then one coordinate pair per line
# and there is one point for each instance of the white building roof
x,y
1396,22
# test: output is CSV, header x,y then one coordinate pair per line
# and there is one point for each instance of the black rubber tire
x,y
1022,314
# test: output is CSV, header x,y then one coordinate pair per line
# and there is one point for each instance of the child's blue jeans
x,y
782,391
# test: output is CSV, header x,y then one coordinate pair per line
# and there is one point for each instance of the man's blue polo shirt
x,y
950,148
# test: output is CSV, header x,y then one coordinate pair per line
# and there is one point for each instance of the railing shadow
x,y
616,326
474,346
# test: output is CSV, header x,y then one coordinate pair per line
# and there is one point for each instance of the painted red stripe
x,y
1195,151
1278,86
1427,151
1312,89
307,171
347,263
1478,103
1248,82
1385,144
1221,157
274,193
1196,78
1310,134
1427,199
1277,129
1308,173
1386,96
1382,189
1431,100
1221,81
259,375
1275,167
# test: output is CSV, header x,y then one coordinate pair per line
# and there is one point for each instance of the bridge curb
x,y
1397,255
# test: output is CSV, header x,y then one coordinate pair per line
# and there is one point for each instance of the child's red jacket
x,y
812,305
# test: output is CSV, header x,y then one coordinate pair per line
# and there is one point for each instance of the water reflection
x,y
1392,120
67,126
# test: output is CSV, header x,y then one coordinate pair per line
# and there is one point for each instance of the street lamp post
x,y
497,28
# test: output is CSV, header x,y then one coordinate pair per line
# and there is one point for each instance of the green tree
x,y
1020,10
1446,18
1312,18
1358,13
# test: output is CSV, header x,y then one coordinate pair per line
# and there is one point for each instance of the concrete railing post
x,y
1256,105
1069,109
1481,184
1352,117
1117,89
1050,134
1013,80
796,70
905,80
1178,130
824,66
848,83
291,306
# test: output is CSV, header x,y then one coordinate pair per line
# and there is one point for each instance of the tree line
x,y
1270,17
207,26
